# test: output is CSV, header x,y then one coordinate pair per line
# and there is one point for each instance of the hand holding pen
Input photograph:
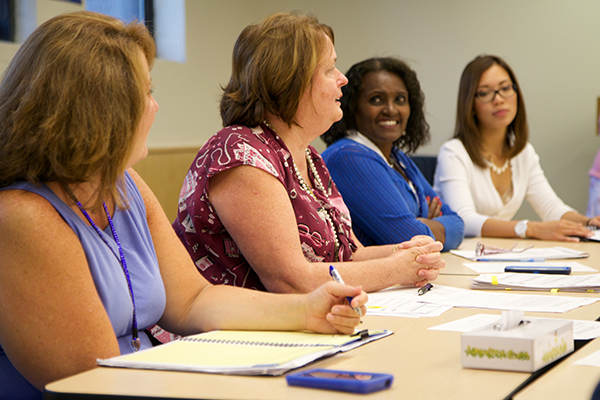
x,y
338,278
325,313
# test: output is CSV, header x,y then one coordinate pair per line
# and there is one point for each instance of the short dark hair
x,y
417,128
467,129
273,65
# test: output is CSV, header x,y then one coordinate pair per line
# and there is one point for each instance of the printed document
x,y
533,254
543,282
498,267
456,297
582,330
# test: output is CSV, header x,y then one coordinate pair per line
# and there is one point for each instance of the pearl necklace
x,y
319,185
498,170
323,213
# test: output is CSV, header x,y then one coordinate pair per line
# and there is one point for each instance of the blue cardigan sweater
x,y
383,207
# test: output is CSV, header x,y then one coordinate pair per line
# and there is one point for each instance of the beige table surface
x,y
425,363
566,381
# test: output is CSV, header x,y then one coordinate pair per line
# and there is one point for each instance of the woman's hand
x,y
595,221
419,259
563,230
328,311
435,207
415,241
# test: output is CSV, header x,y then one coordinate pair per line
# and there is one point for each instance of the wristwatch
x,y
521,228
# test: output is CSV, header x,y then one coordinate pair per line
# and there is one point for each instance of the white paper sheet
x,y
544,282
532,255
582,330
593,360
595,237
456,297
402,302
498,267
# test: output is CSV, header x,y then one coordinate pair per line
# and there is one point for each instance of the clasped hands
x,y
421,259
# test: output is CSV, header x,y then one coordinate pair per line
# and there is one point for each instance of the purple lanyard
x,y
135,341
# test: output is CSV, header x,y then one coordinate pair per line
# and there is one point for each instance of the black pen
x,y
424,289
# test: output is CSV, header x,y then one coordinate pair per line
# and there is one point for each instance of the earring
x,y
511,138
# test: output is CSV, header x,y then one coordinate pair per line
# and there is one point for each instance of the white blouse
x,y
470,192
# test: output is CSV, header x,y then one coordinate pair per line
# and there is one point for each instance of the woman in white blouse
x,y
489,168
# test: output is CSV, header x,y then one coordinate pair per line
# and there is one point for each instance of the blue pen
x,y
338,278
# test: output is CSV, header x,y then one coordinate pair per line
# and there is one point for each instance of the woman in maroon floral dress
x,y
258,208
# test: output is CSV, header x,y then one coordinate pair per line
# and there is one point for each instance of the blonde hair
x,y
273,65
71,101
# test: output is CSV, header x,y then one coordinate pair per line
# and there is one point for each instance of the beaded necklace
x,y
324,213
319,185
135,340
498,170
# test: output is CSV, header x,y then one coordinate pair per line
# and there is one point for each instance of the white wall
x,y
552,45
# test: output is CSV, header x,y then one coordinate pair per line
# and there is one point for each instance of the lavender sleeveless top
x,y
132,229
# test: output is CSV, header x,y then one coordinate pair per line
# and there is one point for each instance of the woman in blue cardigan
x,y
390,200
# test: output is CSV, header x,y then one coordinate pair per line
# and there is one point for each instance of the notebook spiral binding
x,y
250,343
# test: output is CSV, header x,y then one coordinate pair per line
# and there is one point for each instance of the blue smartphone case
x,y
346,381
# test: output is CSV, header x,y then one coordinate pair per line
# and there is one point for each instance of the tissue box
x,y
527,348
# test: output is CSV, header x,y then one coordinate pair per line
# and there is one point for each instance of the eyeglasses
x,y
481,250
506,92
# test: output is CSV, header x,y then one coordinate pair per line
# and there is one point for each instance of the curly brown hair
x,y
417,128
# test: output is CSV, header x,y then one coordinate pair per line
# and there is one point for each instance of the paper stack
x,y
529,255
543,282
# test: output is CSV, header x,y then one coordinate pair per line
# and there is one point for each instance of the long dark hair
x,y
467,126
417,129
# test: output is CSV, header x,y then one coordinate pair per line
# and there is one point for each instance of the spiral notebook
x,y
243,352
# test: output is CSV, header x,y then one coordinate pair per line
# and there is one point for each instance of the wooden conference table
x,y
425,363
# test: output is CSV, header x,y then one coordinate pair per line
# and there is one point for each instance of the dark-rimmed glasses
x,y
482,250
487,95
